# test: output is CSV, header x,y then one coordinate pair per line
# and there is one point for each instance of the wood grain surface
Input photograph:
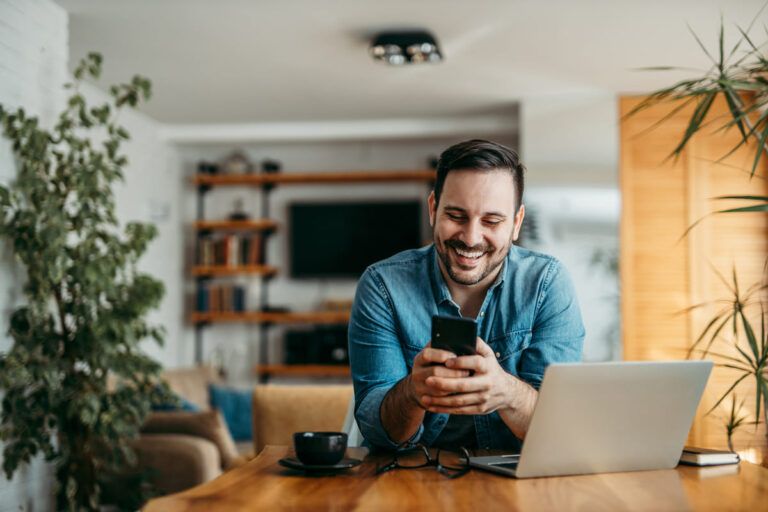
x,y
263,484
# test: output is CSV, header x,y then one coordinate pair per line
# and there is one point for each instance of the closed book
x,y
707,457
245,247
255,256
239,299
202,299
233,253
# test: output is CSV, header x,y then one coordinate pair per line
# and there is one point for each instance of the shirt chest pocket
x,y
509,347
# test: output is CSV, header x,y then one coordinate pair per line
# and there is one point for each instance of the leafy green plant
x,y
76,384
735,317
740,77
734,420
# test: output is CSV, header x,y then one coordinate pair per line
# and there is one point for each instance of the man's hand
x,y
428,364
402,410
488,390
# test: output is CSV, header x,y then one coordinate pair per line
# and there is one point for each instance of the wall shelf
x,y
210,230
236,225
231,270
300,178
273,317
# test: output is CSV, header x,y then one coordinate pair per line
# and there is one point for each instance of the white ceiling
x,y
240,61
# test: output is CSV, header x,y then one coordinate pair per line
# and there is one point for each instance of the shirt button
x,y
482,313
498,355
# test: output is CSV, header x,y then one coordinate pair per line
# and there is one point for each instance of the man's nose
x,y
473,234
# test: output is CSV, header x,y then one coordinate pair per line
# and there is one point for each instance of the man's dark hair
x,y
482,155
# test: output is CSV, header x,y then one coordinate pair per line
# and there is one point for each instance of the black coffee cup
x,y
320,448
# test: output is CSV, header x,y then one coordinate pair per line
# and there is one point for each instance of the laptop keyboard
x,y
505,465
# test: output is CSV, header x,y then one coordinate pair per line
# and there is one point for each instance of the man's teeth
x,y
467,254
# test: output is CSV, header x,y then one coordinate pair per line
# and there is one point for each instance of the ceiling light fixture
x,y
405,47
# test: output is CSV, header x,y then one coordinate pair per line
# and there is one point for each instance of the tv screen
x,y
341,239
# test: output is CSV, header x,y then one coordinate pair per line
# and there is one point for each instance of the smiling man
x,y
524,304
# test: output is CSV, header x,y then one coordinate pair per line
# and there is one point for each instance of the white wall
x,y
151,192
570,145
33,66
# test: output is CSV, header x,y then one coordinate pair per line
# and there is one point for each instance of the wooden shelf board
x,y
259,317
225,270
314,177
303,370
240,225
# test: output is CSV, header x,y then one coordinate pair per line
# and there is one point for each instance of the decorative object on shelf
x,y
238,210
236,163
205,167
399,47
76,384
270,166
321,345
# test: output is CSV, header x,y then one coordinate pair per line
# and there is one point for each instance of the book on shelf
x,y
221,298
229,250
694,456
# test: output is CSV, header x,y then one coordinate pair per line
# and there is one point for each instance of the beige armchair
x,y
182,449
279,411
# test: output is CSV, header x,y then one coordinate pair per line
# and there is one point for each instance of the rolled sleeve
x,y
376,357
558,330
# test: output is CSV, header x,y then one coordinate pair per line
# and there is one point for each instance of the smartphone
x,y
457,335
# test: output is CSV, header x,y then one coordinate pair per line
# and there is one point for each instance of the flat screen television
x,y
340,239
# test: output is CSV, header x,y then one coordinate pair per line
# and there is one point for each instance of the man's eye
x,y
493,222
455,217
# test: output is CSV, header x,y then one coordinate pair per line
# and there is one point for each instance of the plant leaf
x,y
736,383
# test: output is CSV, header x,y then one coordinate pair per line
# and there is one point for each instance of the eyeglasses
x,y
453,464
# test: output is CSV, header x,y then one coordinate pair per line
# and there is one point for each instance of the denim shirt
x,y
530,318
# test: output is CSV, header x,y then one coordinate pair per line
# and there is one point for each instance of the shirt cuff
x,y
368,416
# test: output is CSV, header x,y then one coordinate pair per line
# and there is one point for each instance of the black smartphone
x,y
457,335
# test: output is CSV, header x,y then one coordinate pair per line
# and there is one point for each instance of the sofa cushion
x,y
177,462
205,424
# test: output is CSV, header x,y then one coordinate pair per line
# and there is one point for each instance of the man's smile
x,y
465,258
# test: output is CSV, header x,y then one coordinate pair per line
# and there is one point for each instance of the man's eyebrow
x,y
486,214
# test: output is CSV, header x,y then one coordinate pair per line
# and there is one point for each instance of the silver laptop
x,y
607,417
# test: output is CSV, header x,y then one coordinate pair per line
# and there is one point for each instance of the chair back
x,y
279,411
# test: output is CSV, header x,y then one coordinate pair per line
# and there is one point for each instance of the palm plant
x,y
735,316
740,77
734,420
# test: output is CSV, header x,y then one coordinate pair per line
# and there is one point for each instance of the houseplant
x,y
739,76
76,384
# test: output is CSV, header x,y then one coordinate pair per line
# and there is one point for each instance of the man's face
x,y
475,224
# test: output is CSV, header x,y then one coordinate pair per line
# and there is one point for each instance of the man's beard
x,y
487,268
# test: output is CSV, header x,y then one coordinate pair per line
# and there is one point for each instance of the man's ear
x,y
519,216
432,207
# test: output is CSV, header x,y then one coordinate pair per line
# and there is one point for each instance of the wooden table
x,y
264,485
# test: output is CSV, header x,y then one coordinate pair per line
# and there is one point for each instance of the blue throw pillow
x,y
236,407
